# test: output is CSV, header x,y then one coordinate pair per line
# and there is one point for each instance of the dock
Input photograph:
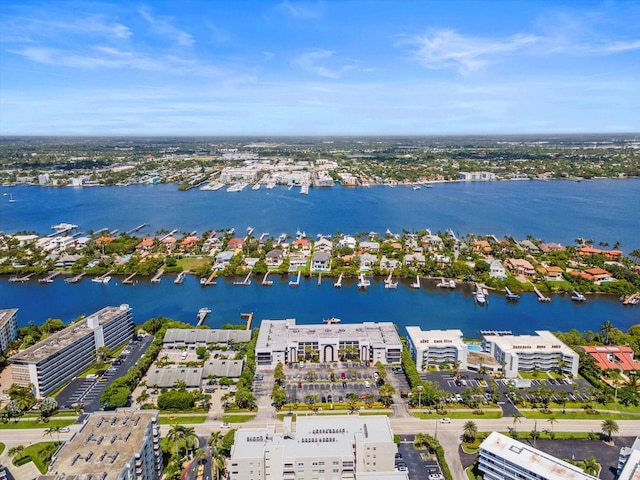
x,y
338,284
266,282
320,279
296,282
75,279
389,283
249,317
49,278
541,297
212,279
21,279
134,230
416,284
633,299
363,283
509,295
180,278
202,315
157,277
244,283
129,279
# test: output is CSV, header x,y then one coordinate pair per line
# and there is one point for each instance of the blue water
x,y
474,348
555,211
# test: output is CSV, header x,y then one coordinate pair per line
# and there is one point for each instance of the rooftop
x,y
544,341
69,335
5,315
437,338
206,335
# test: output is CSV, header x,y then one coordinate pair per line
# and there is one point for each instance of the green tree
x,y
202,353
47,407
606,328
278,374
591,466
470,431
609,427
279,396
244,398
17,451
51,430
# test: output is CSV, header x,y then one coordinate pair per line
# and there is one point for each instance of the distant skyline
x,y
393,67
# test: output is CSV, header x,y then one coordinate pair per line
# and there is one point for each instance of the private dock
x,y
509,295
49,278
157,277
296,282
129,279
541,297
21,279
389,283
266,282
212,279
633,299
338,284
134,230
75,279
320,279
249,317
416,284
180,278
202,315
244,283
363,283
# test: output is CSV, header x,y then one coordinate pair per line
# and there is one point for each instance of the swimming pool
x,y
474,348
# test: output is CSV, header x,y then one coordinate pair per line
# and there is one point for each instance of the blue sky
x,y
239,67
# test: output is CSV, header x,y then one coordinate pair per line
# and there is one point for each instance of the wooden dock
x,y
134,230
212,279
157,277
296,282
248,317
541,297
21,279
338,284
632,299
75,279
49,278
129,279
244,283
266,282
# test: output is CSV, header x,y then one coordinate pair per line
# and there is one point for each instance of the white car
x,y
445,420
225,425
65,430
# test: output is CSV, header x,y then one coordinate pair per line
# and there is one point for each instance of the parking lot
x,y
87,391
419,465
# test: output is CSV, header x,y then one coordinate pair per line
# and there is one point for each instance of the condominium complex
x,y
503,458
284,341
322,448
120,445
57,359
629,462
8,327
199,337
542,351
436,347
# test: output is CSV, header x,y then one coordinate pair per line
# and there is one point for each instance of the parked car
x,y
445,420
65,430
225,425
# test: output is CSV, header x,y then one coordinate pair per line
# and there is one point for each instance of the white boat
x,y
479,296
271,185
64,226
179,279
452,284
203,281
578,297
363,283
11,199
237,187
442,284
509,295
391,285
331,321
104,279
304,189
256,186
416,187
416,284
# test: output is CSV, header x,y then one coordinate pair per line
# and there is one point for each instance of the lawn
x,y
38,453
238,418
577,415
34,424
190,264
466,414
2,445
182,419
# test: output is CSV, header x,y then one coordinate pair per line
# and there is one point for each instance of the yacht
x,y
331,321
479,295
452,284
203,281
105,279
578,297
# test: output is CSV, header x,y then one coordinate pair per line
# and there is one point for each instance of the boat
x,y
578,297
509,295
180,278
202,314
11,199
363,283
331,321
428,185
64,226
237,187
391,285
442,284
256,186
203,281
416,187
479,295
104,279
304,189
452,284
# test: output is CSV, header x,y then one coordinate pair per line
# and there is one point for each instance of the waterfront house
x,y
482,247
551,247
297,261
302,245
251,262
433,241
414,259
169,242
520,266
320,262
596,274
613,357
442,259
496,269
66,260
146,244
347,241
552,273
587,250
389,263
274,258
224,258
529,246
323,245
188,243
235,243
367,261
372,247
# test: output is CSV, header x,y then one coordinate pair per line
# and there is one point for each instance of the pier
x,y
266,282
49,278
633,299
389,283
202,315
541,297
320,279
416,284
20,279
338,284
509,295
180,278
296,282
244,283
363,283
129,279
211,280
134,230
249,317
75,279
157,277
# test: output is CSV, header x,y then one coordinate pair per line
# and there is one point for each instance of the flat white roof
x,y
529,458
5,315
544,340
436,338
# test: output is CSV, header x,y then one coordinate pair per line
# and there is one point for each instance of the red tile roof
x,y
616,357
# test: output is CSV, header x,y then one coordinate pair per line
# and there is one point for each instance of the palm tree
x,y
176,432
51,430
551,421
591,466
16,451
609,428
516,419
199,455
606,328
470,431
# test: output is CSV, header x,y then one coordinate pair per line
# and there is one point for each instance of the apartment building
x,y
8,327
542,351
322,448
120,445
503,458
435,347
283,341
57,359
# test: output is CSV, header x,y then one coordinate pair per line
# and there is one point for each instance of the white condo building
x,y
8,327
542,351
120,445
322,448
283,341
57,359
503,458
435,347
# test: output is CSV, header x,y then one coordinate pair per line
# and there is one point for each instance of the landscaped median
x,y
181,419
32,421
458,413
579,414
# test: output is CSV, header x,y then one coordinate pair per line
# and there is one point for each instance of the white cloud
x,y
302,9
316,61
164,27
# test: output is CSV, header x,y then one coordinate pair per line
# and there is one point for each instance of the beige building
x,y
57,359
120,445
321,448
8,327
435,347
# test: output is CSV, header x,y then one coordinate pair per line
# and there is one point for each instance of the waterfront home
x,y
529,246
520,266
367,261
145,245
433,241
104,240
297,261
482,247
389,263
372,247
551,273
188,243
551,247
235,243
224,258
596,274
442,259
320,262
587,250
169,242
615,357
251,262
347,241
323,245
66,260
302,245
496,269
274,258
416,259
